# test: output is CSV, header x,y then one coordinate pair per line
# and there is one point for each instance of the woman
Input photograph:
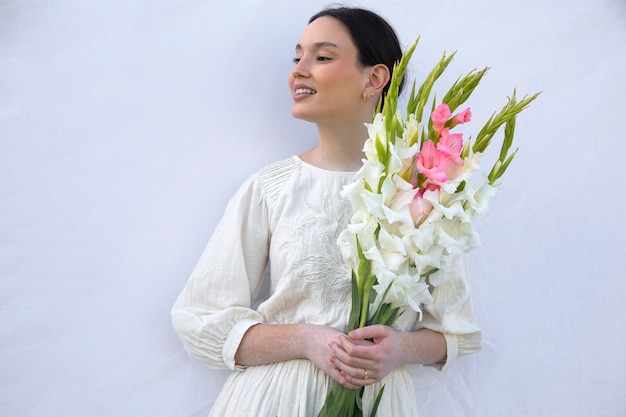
x,y
279,234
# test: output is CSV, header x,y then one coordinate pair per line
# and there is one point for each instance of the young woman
x,y
279,232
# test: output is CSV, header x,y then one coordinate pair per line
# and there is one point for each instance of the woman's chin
x,y
302,115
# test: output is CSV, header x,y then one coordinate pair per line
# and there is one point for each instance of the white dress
x,y
273,258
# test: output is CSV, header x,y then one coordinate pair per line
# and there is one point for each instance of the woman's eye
x,y
296,60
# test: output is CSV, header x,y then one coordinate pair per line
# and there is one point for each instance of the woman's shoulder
x,y
279,169
274,177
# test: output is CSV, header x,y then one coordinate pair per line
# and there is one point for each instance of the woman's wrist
x,y
306,337
300,333
267,343
423,347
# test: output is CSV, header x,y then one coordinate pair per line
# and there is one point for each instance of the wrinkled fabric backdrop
x,y
126,126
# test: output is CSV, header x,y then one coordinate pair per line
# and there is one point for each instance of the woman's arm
x,y
343,358
213,311
268,343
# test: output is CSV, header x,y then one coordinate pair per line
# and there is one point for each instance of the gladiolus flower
x,y
463,117
432,163
450,144
419,209
439,117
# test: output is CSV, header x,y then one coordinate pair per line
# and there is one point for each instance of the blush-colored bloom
x,y
419,209
432,163
439,117
462,117
451,144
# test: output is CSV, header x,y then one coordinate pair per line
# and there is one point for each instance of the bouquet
x,y
416,198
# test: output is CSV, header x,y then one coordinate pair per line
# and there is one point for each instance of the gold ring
x,y
366,374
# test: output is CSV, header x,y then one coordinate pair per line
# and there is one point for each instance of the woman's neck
x,y
340,147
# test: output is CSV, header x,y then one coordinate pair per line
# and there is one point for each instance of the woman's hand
x,y
367,355
318,344
376,349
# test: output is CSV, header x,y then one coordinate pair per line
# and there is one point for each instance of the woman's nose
x,y
300,69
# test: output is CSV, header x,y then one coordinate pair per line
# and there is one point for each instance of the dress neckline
x,y
324,170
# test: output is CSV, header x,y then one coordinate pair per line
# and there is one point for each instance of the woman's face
x,y
327,82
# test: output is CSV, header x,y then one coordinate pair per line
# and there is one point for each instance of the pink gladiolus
x,y
463,117
439,117
419,209
451,144
432,163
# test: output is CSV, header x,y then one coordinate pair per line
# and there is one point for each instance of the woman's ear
x,y
379,77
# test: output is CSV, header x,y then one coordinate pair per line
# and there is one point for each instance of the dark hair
x,y
374,38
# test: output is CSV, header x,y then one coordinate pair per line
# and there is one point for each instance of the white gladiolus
x,y
415,201
406,232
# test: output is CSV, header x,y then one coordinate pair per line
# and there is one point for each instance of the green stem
x,y
367,293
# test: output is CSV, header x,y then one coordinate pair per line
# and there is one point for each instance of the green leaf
x,y
381,150
355,311
377,402
424,91
509,132
413,100
391,97
463,88
431,132
494,171
500,168
509,111
359,403
342,402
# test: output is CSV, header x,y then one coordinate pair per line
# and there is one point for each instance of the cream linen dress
x,y
274,259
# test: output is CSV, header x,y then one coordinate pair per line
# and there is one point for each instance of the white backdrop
x,y
126,125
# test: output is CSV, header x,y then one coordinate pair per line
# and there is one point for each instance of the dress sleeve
x,y
452,314
213,312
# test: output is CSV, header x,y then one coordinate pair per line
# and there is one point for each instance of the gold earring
x,y
364,95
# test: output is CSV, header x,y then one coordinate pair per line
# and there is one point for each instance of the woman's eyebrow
x,y
318,45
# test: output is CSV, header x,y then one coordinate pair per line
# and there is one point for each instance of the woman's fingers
x,y
352,354
374,332
354,362
366,355
353,378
